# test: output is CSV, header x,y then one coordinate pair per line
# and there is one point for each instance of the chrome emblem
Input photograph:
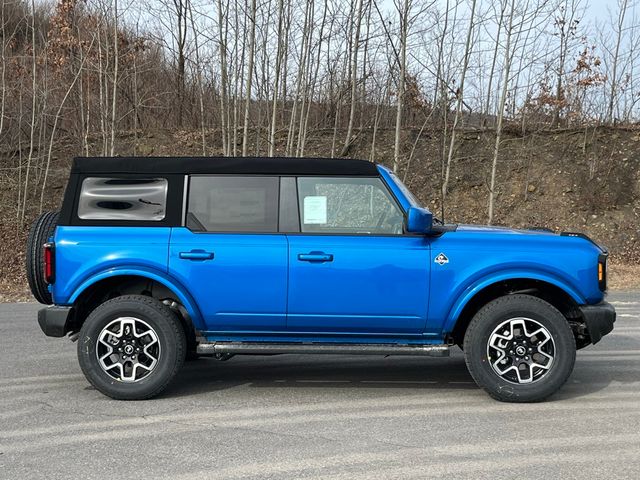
x,y
441,259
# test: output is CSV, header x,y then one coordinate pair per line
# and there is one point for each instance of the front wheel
x,y
519,348
131,347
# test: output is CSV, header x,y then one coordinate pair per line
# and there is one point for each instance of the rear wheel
x,y
519,348
41,230
131,347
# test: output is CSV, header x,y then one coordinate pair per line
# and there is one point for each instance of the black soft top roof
x,y
230,165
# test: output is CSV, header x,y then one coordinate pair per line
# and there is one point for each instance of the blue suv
x,y
151,261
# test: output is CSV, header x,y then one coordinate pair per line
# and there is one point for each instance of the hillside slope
x,y
572,180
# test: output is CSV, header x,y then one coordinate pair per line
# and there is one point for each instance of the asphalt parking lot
x,y
295,416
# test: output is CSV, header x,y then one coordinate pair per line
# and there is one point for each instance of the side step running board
x,y
316,348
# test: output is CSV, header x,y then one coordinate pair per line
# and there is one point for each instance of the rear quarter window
x,y
113,198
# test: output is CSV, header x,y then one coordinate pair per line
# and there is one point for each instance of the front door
x,y
352,269
230,256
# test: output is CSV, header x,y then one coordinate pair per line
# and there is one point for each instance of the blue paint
x,y
325,287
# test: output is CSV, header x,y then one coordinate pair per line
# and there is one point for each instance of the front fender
x,y
178,289
471,290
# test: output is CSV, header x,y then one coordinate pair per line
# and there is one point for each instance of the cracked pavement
x,y
334,416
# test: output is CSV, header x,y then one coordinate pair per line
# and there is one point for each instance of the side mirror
x,y
419,220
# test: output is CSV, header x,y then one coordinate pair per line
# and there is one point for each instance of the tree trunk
x,y
33,108
614,73
404,27
276,86
354,77
115,77
247,103
460,95
503,98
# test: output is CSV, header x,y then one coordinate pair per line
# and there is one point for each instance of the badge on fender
x,y
441,259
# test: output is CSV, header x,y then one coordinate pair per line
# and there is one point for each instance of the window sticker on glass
x,y
315,210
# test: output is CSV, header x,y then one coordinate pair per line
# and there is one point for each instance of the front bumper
x,y
54,320
599,319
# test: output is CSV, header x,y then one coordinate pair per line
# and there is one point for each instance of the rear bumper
x,y
54,320
599,319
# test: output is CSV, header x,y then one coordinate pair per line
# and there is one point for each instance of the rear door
x,y
352,269
229,254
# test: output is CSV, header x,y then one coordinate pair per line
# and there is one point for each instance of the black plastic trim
x,y
602,259
68,201
54,320
289,215
599,319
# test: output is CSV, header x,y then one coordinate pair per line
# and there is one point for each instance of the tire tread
x,y
484,315
41,229
155,307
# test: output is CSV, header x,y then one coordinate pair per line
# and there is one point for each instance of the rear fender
x,y
178,289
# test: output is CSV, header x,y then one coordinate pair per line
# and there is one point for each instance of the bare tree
x,y
503,7
281,38
116,59
506,67
566,24
622,11
56,119
252,54
459,102
224,104
403,11
34,73
354,73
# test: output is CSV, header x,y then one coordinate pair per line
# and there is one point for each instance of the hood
x,y
540,232
495,229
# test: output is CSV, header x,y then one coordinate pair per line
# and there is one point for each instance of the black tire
x,y
479,334
171,340
41,229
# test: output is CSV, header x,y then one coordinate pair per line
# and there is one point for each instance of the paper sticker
x,y
315,210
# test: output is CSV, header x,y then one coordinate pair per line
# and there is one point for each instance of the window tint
x,y
123,199
347,205
233,204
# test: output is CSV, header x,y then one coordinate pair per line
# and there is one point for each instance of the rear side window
x,y
233,204
112,198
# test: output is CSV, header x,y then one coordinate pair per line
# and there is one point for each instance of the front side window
x,y
347,205
233,204
111,198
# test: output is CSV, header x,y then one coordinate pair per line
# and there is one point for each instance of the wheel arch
x,y
554,291
117,282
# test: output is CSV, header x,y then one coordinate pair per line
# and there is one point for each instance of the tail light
x,y
49,262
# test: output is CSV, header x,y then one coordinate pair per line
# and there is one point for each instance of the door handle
x,y
196,255
315,257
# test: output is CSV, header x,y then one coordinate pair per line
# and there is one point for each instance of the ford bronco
x,y
151,261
